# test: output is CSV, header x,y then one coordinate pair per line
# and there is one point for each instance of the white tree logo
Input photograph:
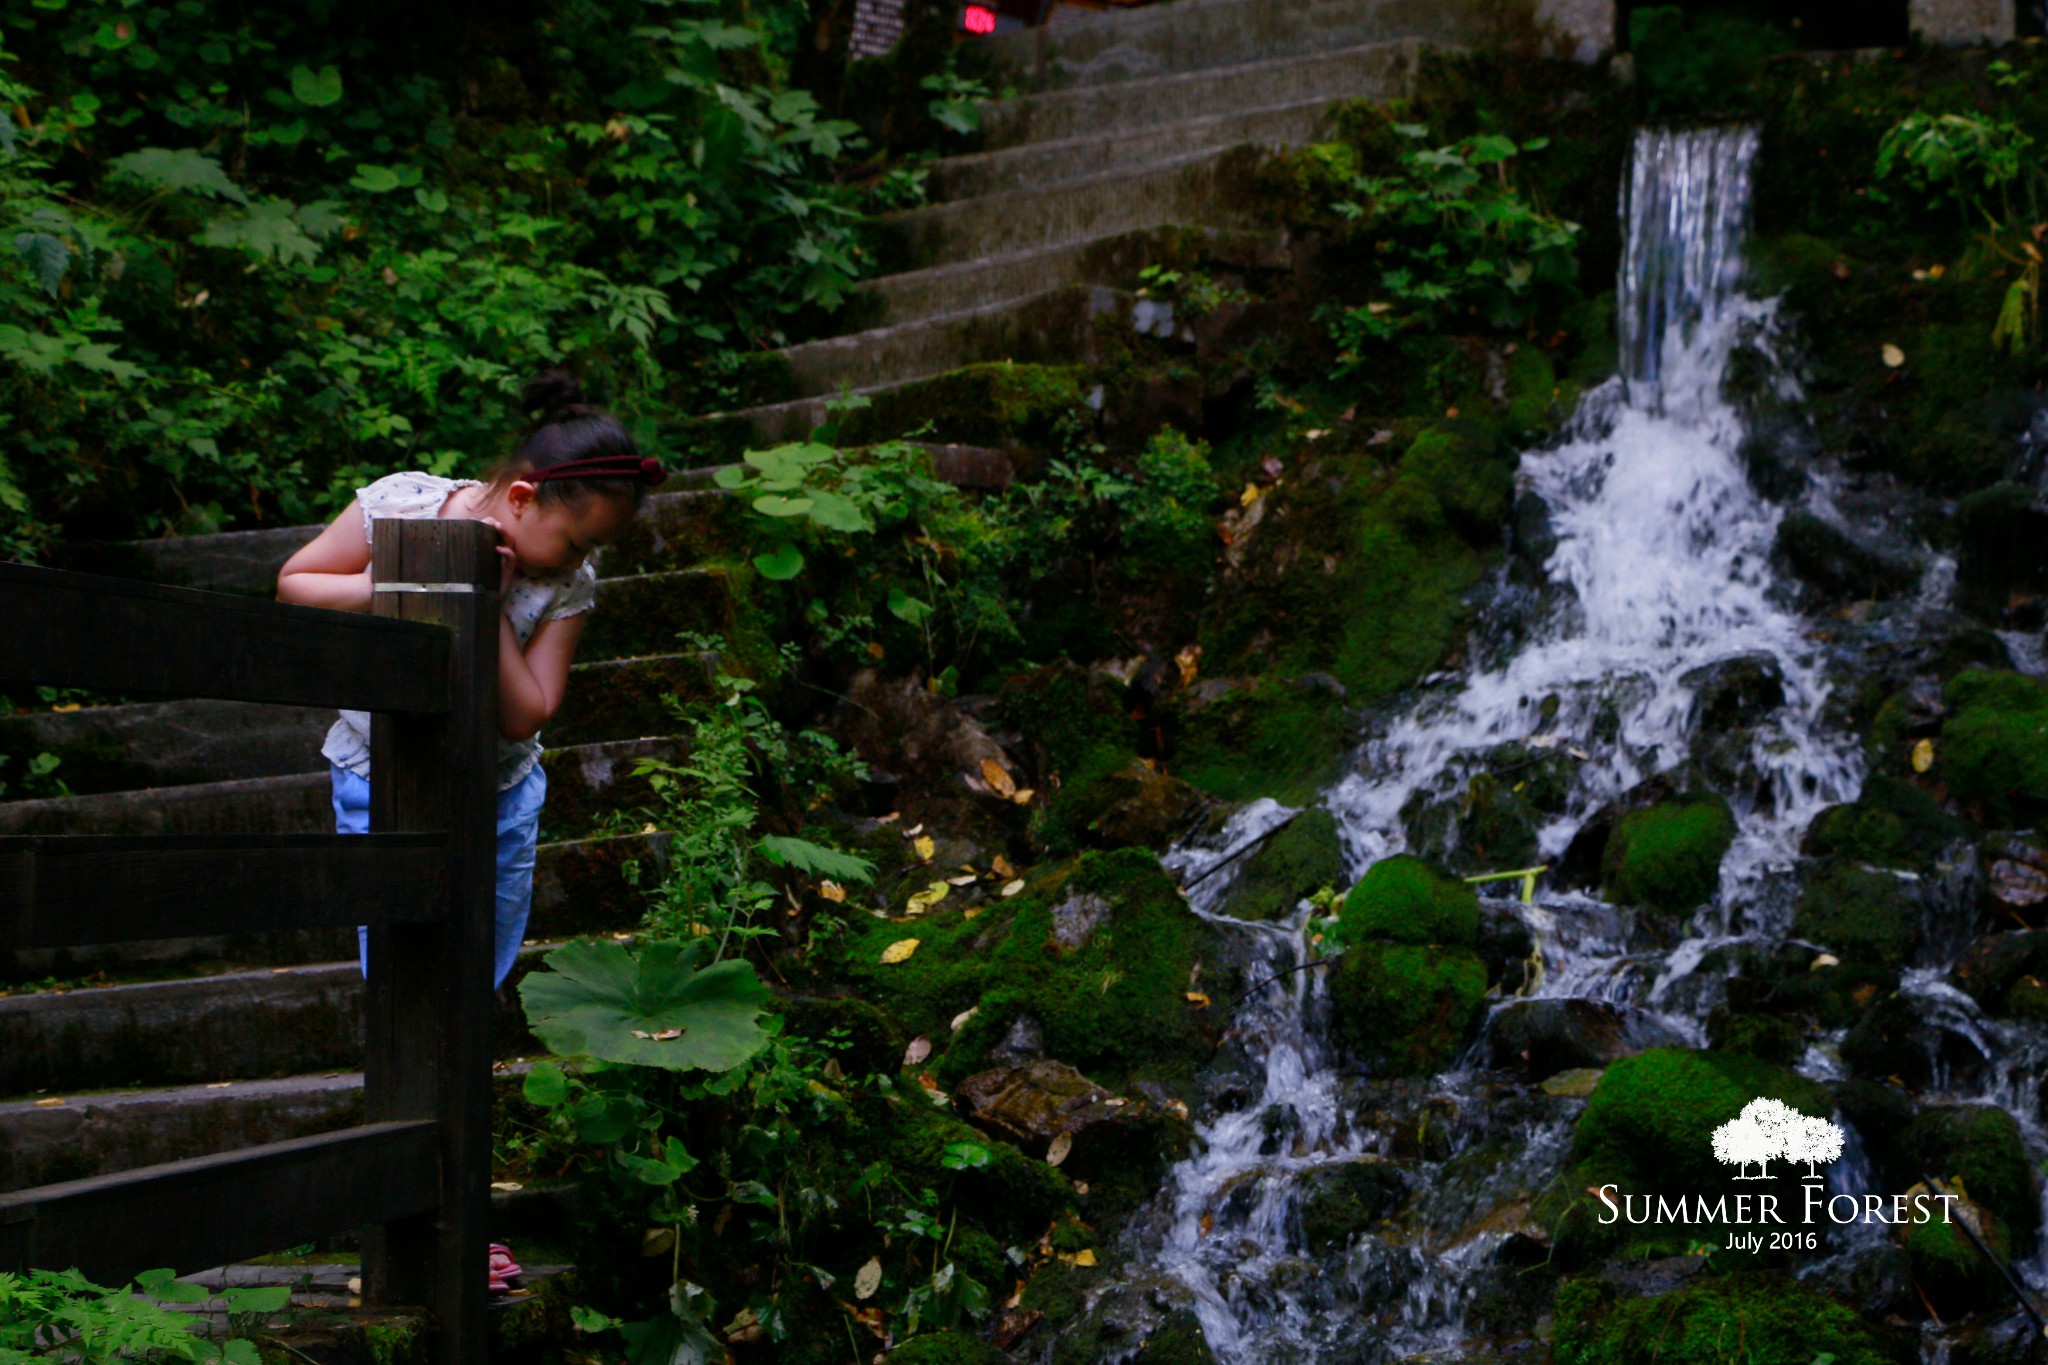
x,y
1769,1128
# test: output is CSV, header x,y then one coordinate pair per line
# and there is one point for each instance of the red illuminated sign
x,y
978,19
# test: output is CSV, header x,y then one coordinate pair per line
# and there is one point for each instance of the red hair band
x,y
622,466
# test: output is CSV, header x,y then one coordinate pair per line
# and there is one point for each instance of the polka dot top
x,y
529,602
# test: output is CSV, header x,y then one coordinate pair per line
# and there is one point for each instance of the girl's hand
x,y
508,563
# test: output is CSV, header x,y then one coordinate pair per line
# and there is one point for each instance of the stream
x,y
1661,575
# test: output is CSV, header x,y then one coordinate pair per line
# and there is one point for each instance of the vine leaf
x,y
182,169
660,1010
781,566
317,88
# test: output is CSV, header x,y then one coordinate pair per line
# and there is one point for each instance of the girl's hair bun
x,y
554,396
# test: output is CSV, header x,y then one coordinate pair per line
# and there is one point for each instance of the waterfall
x,y
1661,573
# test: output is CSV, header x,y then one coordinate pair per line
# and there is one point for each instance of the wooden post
x,y
427,1005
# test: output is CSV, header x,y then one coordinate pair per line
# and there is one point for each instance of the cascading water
x,y
1661,575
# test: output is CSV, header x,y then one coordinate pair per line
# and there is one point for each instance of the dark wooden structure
x,y
416,1173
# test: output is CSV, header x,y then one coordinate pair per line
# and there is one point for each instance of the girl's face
x,y
548,538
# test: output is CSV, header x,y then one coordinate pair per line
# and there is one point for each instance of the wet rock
x,y
910,730
1340,1201
1177,1340
1123,1317
1915,1040
1505,946
1532,539
1946,1264
1668,857
1277,1128
1892,824
2015,879
1772,1315
1483,816
1404,900
1302,858
2004,537
1993,967
1132,805
1405,1009
1994,746
1980,1145
1763,1036
1024,1042
1075,917
1540,1038
1835,565
1735,693
1876,1281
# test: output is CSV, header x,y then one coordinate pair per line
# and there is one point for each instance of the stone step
x,y
1155,106
672,530
180,743
1040,163
1211,187
1190,36
249,1025
1113,260
579,887
584,781
1048,328
649,613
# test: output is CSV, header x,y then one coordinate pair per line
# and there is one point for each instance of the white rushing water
x,y
1662,570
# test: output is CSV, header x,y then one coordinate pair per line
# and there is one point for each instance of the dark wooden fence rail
x,y
416,1174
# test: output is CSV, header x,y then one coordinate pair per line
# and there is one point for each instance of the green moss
x,y
1177,1340
1763,1036
1649,1124
1755,1318
1301,859
1489,823
1340,1201
1405,1010
1278,740
1867,918
991,404
1668,857
1404,900
1892,824
1980,1145
1014,1196
946,1348
1950,1270
1994,745
1111,1002
1471,484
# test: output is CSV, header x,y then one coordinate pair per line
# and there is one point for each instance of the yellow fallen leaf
x,y
971,912
1002,867
899,950
1022,796
53,1102
832,891
1893,356
960,1019
1013,888
927,898
1057,1152
875,650
964,879
998,777
1186,661
1249,496
1198,1000
1824,960
868,1279
1079,1257
926,846
1923,755
508,1186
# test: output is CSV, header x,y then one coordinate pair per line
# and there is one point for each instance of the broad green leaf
x,y
659,1009
649,1171
163,1285
375,179
268,1298
781,505
805,856
317,88
601,1120
47,258
786,563
268,229
1488,148
731,476
835,512
180,169
546,1085
904,607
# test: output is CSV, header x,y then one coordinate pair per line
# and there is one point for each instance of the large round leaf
x,y
657,1009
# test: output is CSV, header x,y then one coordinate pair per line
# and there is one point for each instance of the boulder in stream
x,y
1992,971
1867,917
1403,1009
1668,856
1404,900
1994,745
1345,1198
1835,565
1301,859
1540,1038
1913,1039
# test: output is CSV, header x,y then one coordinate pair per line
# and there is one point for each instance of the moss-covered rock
x,y
1096,953
1994,967
1404,900
1340,1201
1765,1037
1668,857
1488,818
1947,1266
1014,1196
947,1348
1285,740
1864,916
1404,1009
1994,749
1300,860
1980,1145
1892,824
1758,1318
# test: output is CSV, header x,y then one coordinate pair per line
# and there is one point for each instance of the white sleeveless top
x,y
529,602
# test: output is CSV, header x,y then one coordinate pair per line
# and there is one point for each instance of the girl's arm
x,y
333,569
531,684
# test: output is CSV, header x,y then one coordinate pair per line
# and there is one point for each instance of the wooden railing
x,y
415,1175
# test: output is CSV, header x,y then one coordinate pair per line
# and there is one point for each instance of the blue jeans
x,y
518,838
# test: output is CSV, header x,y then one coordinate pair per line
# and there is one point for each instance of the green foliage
x,y
1450,235
1755,1318
1691,65
1404,900
654,1009
257,257
1994,749
60,1315
1405,1009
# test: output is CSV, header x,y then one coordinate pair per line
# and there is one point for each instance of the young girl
x,y
572,485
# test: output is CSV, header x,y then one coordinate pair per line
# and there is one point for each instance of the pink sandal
x,y
504,1270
